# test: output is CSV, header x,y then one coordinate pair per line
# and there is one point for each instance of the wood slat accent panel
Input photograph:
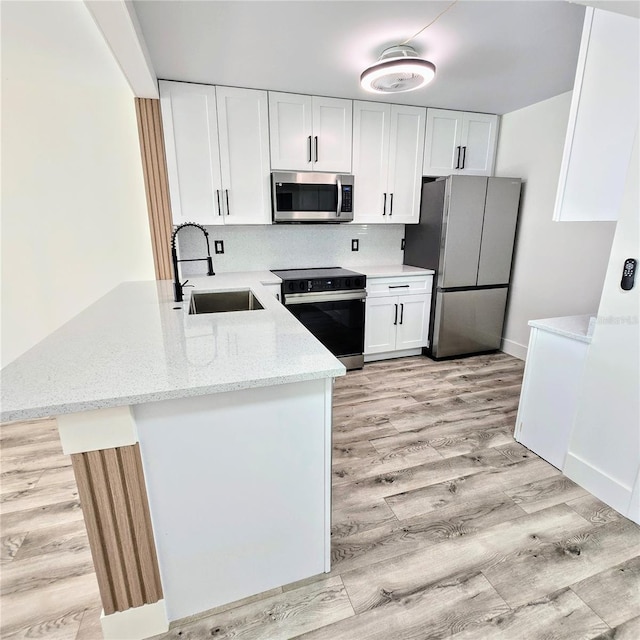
x,y
156,185
116,512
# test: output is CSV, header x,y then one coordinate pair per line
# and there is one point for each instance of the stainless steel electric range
x,y
329,302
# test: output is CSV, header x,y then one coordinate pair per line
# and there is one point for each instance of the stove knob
x,y
301,285
347,283
359,283
290,286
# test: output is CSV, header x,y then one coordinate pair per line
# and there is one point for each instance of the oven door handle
x,y
324,296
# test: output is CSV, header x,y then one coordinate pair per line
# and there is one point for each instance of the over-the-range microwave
x,y
312,197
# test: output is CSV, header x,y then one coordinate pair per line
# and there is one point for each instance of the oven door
x,y
336,318
311,197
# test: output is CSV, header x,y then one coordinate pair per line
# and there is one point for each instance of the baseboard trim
x,y
136,623
597,482
388,355
514,349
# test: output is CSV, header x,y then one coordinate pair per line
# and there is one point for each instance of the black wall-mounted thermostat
x,y
628,274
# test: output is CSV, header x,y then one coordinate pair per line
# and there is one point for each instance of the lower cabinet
x,y
395,323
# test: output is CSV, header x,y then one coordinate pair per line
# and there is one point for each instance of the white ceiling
x,y
490,57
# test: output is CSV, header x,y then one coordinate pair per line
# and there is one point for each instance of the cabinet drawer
x,y
398,285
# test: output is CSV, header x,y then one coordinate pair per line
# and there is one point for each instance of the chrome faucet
x,y
177,285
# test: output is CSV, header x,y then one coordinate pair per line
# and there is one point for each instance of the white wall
x,y
604,451
559,267
74,220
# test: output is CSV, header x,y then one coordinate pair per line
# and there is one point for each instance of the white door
x,y
478,144
406,150
380,324
332,134
244,155
442,144
291,132
413,321
371,127
191,142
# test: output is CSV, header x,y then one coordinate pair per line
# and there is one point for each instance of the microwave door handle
x,y
339,185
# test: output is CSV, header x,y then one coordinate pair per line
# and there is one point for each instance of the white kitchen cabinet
x,y
459,142
388,147
310,133
550,387
273,289
603,119
217,148
397,316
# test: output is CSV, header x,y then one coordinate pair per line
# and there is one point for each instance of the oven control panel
x,y
324,284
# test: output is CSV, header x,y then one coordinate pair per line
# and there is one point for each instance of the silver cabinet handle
x,y
218,200
226,193
309,143
384,205
390,204
316,145
401,312
395,320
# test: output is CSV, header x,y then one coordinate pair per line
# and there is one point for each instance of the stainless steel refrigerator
x,y
466,234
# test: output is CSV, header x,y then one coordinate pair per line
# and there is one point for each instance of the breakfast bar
x,y
201,445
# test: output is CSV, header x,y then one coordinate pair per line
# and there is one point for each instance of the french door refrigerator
x,y
466,234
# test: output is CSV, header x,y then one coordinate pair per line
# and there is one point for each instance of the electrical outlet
x,y
355,244
219,246
402,245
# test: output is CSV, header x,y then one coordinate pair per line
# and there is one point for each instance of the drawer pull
x,y
399,286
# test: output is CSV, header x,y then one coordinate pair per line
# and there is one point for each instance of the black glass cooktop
x,y
314,274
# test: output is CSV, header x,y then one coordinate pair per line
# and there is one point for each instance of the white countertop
x,y
388,270
576,327
132,346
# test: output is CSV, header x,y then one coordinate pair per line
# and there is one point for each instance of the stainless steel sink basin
x,y
223,301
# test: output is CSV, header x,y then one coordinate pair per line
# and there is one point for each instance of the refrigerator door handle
x,y
395,320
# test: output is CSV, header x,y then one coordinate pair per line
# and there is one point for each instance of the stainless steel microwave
x,y
312,197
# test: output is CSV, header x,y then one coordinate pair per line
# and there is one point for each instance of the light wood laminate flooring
x,y
443,527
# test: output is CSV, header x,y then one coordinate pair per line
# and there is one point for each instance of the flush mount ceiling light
x,y
398,69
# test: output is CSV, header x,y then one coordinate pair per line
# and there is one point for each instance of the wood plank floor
x,y
443,527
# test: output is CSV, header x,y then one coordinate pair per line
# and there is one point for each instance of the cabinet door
x,y
370,160
478,144
332,134
244,155
291,133
441,153
406,150
380,324
413,321
193,161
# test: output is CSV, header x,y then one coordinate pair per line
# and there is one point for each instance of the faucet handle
x,y
184,284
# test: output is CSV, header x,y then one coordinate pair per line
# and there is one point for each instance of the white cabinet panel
x,y
405,157
603,119
387,158
244,155
380,325
413,321
291,132
310,133
460,142
332,134
191,141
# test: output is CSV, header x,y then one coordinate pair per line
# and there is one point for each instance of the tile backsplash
x,y
256,248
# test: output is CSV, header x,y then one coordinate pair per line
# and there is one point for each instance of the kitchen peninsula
x,y
201,445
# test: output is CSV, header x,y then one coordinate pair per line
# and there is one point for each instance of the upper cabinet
x,y
603,119
460,142
388,146
217,145
310,133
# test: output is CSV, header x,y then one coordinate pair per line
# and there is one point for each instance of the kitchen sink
x,y
223,301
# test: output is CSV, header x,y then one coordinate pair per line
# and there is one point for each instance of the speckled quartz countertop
x,y
388,270
576,327
132,346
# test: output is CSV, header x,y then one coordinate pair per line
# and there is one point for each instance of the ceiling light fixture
x,y
400,68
